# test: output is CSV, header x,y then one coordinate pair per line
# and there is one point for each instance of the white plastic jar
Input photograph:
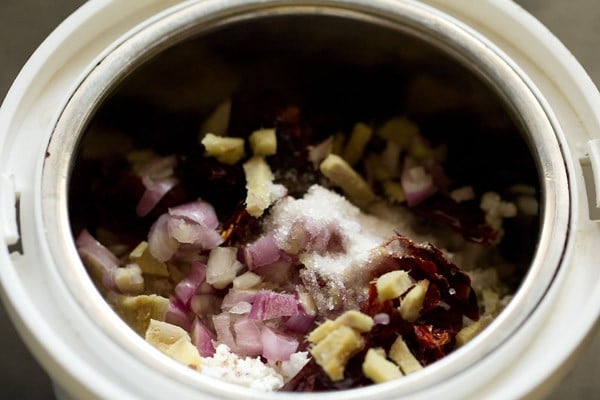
x,y
76,349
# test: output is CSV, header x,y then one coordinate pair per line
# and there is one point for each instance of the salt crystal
x,y
351,236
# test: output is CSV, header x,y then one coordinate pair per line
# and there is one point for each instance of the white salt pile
x,y
336,242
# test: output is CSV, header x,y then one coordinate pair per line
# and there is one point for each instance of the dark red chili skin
x,y
465,218
431,337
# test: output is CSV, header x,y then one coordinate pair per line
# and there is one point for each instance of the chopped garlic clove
x,y
149,265
402,356
469,332
356,320
228,150
344,176
174,342
393,284
137,311
378,369
411,304
263,142
333,352
360,136
322,331
400,130
129,280
259,180
394,191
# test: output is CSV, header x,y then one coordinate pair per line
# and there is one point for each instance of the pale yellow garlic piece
x,y
259,180
375,169
228,150
162,334
411,304
338,143
469,332
392,284
394,191
129,280
184,351
321,331
352,184
402,356
333,352
356,320
359,137
137,311
150,266
378,369
263,142
400,130
490,300
174,342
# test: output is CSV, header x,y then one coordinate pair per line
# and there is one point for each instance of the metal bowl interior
x,y
340,62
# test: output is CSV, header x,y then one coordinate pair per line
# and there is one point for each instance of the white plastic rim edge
x,y
572,93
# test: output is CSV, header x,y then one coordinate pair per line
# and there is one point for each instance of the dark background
x,y
25,23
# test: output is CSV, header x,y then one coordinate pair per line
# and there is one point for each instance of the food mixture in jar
x,y
295,260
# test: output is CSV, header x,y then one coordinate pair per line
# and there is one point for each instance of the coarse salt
x,y
252,372
246,371
334,240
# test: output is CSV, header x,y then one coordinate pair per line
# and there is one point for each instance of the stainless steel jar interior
x,y
349,60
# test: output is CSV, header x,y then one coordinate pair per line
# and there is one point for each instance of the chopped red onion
x,y
205,304
198,211
314,236
222,323
263,251
277,347
324,239
155,191
178,314
189,232
241,308
300,323
202,338
187,254
109,281
234,297
161,245
248,337
381,319
277,272
159,167
188,286
205,288
417,184
223,266
94,254
157,177
440,179
269,305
